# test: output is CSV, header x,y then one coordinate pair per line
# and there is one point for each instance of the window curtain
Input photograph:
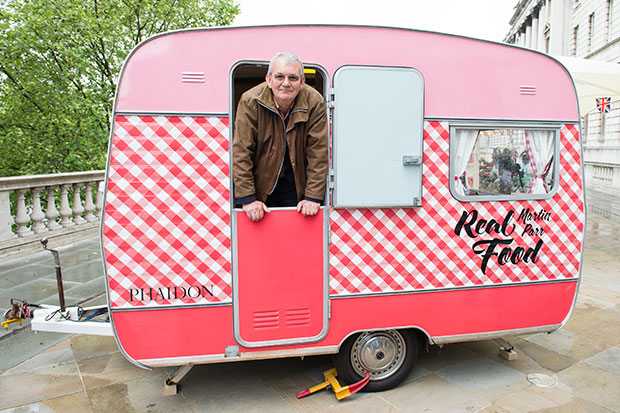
x,y
465,141
539,145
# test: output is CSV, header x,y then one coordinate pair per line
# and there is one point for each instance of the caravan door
x,y
279,264
280,278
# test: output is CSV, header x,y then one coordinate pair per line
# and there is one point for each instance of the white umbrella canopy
x,y
593,79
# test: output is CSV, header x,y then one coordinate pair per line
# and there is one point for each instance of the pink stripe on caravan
x,y
461,75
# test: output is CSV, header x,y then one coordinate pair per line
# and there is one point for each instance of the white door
x,y
377,136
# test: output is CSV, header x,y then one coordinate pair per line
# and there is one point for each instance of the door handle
x,y
411,160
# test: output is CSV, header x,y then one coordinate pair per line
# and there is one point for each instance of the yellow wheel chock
x,y
6,323
340,391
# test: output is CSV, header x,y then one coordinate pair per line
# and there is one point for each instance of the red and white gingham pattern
x,y
391,250
167,220
167,212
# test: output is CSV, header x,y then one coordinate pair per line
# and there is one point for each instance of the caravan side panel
x,y
166,229
378,251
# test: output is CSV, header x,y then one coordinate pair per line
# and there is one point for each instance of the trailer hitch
x,y
340,391
21,309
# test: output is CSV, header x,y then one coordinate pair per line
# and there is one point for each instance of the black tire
x,y
388,356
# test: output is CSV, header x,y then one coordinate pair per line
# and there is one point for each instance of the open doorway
x,y
278,312
246,75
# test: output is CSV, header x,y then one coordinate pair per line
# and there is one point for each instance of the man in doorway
x,y
280,142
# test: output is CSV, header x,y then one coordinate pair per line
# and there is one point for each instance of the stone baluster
x,y
89,205
99,200
6,219
37,214
51,213
78,209
21,217
65,210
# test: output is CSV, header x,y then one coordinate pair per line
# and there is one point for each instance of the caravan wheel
x,y
388,356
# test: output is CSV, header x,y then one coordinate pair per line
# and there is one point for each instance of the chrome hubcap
x,y
379,353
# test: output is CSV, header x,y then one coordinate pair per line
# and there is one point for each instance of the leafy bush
x,y
59,63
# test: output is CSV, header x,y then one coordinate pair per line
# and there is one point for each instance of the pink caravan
x,y
454,210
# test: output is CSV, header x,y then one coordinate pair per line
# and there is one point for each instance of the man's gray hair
x,y
288,57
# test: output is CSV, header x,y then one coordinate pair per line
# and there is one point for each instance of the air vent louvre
x,y
527,90
193,77
298,317
266,319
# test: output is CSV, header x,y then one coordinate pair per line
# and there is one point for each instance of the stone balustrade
x,y
602,174
22,216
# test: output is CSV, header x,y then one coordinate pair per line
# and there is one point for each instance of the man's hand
x,y
255,210
308,208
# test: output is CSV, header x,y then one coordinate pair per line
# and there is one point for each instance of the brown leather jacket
x,y
258,144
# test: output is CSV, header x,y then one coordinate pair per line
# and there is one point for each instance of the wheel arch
x,y
421,334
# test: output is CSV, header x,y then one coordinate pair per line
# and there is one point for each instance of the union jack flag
x,y
603,104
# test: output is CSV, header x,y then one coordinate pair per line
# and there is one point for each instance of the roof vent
x,y
527,90
193,77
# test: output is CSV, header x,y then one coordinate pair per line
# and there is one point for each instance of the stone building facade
x,y
586,29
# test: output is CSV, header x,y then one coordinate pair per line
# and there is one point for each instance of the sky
x,y
484,19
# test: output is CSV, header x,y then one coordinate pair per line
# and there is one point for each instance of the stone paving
x,y
578,367
34,278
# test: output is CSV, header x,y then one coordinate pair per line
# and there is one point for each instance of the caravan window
x,y
503,163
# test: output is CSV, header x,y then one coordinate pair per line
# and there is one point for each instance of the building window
x,y
591,31
573,45
547,36
491,164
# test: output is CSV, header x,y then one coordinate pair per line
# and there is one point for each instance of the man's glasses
x,y
280,78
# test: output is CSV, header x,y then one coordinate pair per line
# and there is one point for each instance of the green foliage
x,y
59,63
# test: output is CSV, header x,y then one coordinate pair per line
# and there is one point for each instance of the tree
x,y
59,63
